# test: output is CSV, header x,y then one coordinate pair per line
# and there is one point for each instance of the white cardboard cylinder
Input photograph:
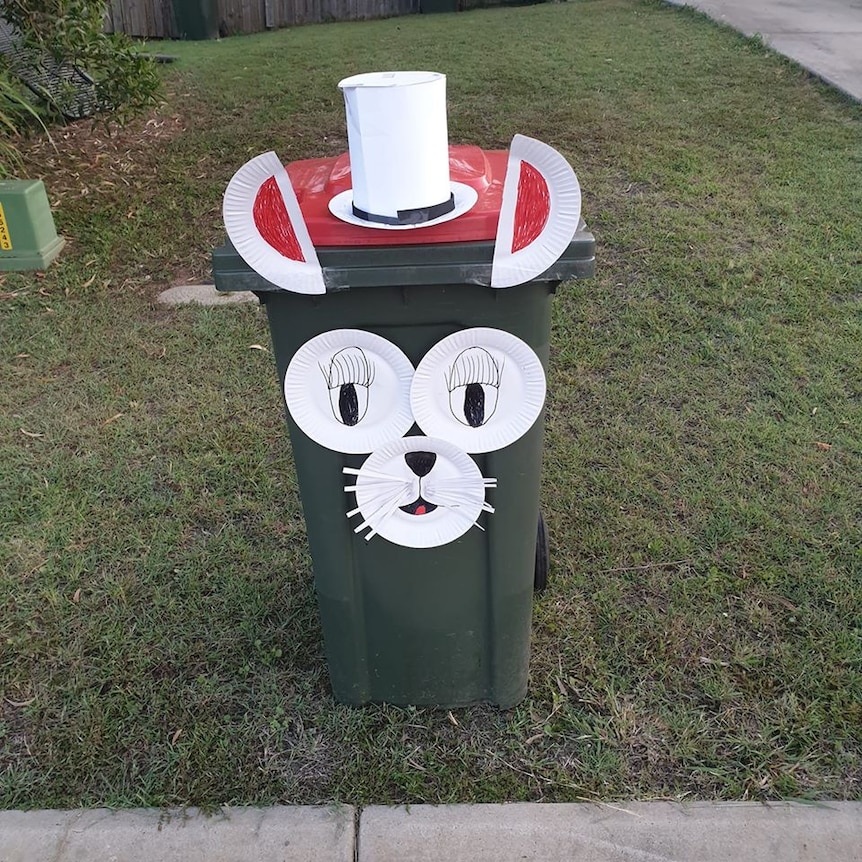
x,y
398,139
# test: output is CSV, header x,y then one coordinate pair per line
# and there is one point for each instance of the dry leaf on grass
x,y
19,704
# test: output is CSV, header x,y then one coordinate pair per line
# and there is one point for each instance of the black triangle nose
x,y
420,462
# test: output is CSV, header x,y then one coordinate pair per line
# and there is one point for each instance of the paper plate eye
x,y
349,390
348,378
480,389
474,386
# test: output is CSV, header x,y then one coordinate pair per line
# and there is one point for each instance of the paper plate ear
x,y
264,222
540,212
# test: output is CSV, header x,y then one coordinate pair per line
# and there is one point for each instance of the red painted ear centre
x,y
273,222
532,209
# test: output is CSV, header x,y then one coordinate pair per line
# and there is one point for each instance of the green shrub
x,y
15,112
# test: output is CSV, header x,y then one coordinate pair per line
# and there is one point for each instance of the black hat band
x,y
415,216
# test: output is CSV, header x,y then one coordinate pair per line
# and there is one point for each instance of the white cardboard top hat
x,y
399,153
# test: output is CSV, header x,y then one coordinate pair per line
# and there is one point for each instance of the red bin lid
x,y
317,181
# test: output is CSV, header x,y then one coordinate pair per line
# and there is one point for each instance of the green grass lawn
x,y
702,635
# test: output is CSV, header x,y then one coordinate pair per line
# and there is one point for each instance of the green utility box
x,y
447,625
196,20
28,238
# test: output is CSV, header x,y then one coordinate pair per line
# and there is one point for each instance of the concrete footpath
x,y
632,832
824,37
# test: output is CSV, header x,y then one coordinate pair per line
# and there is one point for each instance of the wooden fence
x,y
154,19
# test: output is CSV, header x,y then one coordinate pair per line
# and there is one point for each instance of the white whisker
x,y
386,493
454,506
372,474
390,507
451,504
464,480
380,521
378,482
459,485
456,511
455,500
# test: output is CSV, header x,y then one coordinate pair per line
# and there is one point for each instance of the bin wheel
x,y
543,557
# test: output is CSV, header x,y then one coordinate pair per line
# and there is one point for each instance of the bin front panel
x,y
448,625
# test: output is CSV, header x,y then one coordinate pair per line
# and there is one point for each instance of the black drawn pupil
x,y
474,405
348,404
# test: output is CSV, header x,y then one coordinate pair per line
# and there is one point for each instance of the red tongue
x,y
420,510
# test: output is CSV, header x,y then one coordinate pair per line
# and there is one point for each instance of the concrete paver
x,y
202,294
824,37
633,832
281,834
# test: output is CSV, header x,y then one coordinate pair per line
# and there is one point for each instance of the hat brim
x,y
341,206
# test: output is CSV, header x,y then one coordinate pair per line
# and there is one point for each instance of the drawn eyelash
x,y
349,365
474,365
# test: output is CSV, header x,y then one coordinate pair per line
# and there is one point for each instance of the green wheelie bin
x,y
196,20
433,604
447,625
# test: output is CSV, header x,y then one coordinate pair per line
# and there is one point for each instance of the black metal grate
x,y
64,86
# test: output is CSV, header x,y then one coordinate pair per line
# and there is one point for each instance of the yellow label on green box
x,y
5,239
